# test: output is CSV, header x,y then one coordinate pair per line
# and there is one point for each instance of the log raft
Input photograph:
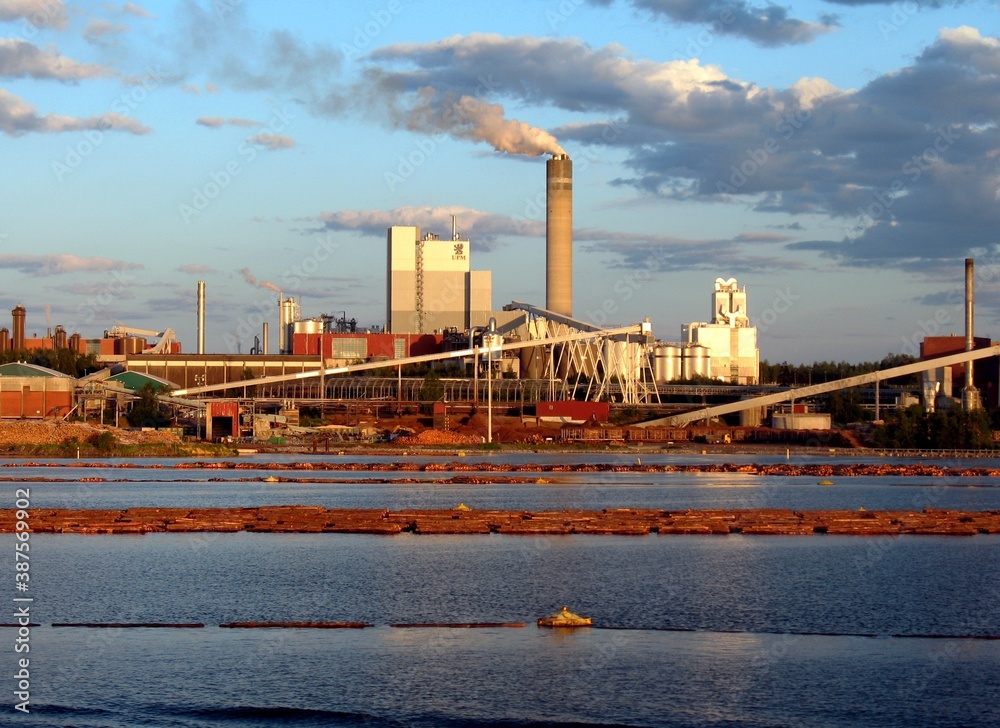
x,y
608,521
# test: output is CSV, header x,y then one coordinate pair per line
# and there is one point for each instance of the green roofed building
x,y
134,381
29,390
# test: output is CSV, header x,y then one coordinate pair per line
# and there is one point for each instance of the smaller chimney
x,y
201,317
970,395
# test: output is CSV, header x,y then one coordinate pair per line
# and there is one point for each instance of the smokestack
x,y
559,234
201,317
281,323
970,396
18,314
264,339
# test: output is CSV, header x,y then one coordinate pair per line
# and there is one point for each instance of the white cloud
x,y
20,59
18,117
272,141
39,13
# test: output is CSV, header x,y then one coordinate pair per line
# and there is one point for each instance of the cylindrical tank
x,y
666,363
308,326
4,339
623,359
18,315
695,361
559,235
532,362
74,343
59,338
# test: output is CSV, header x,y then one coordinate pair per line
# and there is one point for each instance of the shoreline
x,y
816,470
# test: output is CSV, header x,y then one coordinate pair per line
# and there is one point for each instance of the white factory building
x,y
730,339
431,285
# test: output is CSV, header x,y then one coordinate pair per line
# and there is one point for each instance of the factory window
x,y
399,350
350,349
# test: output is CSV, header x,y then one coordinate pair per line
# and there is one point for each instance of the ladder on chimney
x,y
419,284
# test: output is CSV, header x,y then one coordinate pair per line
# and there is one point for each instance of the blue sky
x,y
839,158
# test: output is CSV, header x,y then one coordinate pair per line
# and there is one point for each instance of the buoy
x,y
564,618
461,507
826,482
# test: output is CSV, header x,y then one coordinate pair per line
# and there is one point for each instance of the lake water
x,y
689,630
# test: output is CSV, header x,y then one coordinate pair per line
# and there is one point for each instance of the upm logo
x,y
459,252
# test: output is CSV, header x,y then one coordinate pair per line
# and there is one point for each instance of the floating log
x,y
613,521
296,625
132,625
459,625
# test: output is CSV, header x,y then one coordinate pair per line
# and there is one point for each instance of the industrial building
x,y
431,286
729,338
31,391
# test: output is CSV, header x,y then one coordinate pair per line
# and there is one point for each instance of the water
x,y
690,630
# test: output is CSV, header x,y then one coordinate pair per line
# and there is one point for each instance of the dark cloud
x,y
59,263
216,39
765,25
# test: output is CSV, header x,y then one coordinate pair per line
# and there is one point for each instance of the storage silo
x,y
695,361
666,363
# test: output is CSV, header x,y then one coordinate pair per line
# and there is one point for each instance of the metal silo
x,y
666,363
695,361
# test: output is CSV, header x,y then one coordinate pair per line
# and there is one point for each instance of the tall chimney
x,y
17,339
970,396
559,235
201,317
265,334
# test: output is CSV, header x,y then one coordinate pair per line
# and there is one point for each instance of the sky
x,y
839,158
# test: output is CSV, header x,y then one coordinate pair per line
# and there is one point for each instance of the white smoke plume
x,y
249,277
252,280
465,117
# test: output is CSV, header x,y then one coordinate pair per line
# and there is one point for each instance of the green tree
x,y
147,410
431,390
